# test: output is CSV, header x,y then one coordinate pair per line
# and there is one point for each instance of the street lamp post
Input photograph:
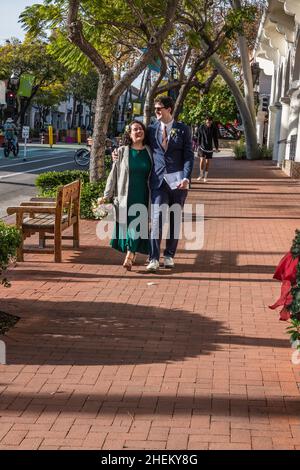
x,y
12,87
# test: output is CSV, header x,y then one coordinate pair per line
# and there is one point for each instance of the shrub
x,y
10,239
49,182
263,152
239,150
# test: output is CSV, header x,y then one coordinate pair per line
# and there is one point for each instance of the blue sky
x,y
9,15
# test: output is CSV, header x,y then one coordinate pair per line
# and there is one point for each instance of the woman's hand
x,y
102,200
115,156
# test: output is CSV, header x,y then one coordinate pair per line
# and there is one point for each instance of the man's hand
x,y
115,156
183,185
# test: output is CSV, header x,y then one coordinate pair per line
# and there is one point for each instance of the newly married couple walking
x,y
156,162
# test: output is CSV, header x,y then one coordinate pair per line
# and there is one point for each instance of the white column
x,y
297,156
273,110
272,113
277,108
285,101
260,122
293,116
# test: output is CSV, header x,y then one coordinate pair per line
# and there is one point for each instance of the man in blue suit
x,y
173,157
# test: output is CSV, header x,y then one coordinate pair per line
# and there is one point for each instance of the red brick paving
x,y
102,360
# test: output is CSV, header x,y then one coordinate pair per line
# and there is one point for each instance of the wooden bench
x,y
49,215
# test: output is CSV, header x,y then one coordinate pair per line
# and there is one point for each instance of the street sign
x,y
25,135
25,132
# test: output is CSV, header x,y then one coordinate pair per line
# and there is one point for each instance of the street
x,y
17,177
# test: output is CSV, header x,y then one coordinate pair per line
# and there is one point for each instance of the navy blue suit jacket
x,y
179,155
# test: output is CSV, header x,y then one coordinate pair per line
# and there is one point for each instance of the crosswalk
x,y
17,177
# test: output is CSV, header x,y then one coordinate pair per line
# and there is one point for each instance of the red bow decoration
x,y
285,272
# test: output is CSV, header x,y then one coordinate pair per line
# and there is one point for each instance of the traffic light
x,y
10,99
265,104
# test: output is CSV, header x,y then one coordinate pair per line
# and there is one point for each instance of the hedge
x,y
10,239
48,183
263,153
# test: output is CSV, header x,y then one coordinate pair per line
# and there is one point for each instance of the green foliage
x,y
295,250
84,87
10,239
263,152
51,95
294,307
219,103
53,179
239,150
294,330
48,184
236,19
103,24
30,56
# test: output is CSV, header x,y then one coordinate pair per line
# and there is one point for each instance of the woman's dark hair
x,y
126,137
167,101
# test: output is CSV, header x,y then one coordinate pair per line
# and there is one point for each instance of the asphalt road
x,y
17,177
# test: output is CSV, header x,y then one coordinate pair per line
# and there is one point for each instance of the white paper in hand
x,y
174,179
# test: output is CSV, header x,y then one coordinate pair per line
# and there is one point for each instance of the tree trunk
x,y
24,107
153,90
247,74
184,89
73,112
249,127
104,109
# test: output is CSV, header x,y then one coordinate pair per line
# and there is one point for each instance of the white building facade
x,y
278,55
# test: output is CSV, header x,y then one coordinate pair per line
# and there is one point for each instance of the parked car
x,y
228,131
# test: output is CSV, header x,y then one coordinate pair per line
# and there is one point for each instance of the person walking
x,y
128,183
207,137
173,158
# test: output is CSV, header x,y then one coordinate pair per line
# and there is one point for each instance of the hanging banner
x,y
137,108
26,84
164,83
2,92
155,64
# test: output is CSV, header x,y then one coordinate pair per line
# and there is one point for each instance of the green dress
x,y
138,193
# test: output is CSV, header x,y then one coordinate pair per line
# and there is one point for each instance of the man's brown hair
x,y
166,101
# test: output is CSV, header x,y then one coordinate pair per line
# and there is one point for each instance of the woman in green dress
x,y
128,186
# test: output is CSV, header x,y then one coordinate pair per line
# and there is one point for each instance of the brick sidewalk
x,y
102,360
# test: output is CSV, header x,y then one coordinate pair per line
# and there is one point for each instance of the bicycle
x,y
82,157
9,146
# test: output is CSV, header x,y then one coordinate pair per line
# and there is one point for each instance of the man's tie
x,y
164,143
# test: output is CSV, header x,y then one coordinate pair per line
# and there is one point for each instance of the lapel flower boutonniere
x,y
174,133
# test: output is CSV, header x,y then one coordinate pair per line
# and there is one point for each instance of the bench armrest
x,y
24,209
43,199
40,204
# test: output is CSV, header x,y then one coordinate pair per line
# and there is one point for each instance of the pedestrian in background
x,y
207,139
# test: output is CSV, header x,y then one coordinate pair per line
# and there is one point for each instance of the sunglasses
x,y
158,108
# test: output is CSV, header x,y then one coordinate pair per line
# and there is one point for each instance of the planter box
x,y
71,133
